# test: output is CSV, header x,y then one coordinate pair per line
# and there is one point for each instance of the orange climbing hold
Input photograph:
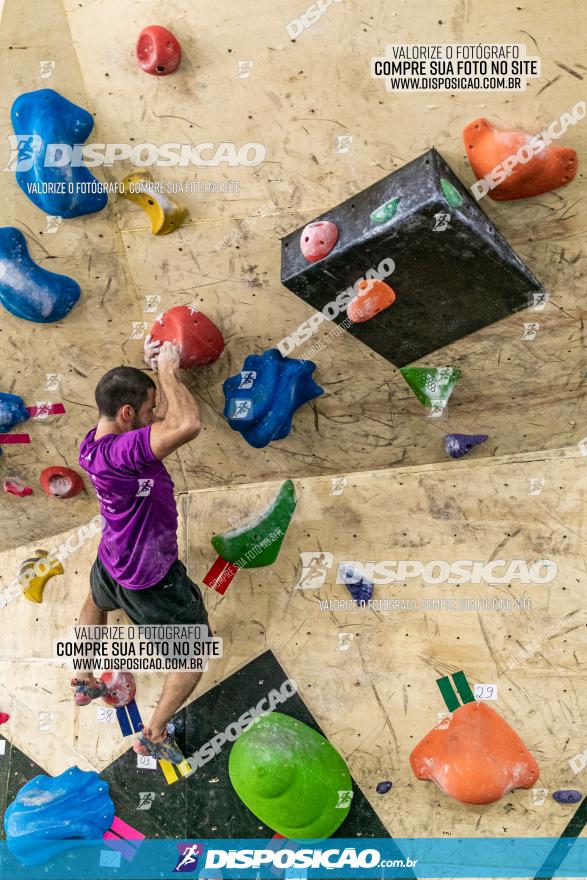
x,y
372,298
513,165
474,756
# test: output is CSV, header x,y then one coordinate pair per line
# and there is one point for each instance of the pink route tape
x,y
45,409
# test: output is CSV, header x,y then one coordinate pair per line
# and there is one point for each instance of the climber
x,y
137,569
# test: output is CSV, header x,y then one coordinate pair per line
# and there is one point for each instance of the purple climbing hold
x,y
358,586
383,787
459,445
567,796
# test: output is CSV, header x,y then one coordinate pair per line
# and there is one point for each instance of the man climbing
x,y
137,568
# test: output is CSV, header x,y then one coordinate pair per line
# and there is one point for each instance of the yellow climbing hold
x,y
164,212
34,573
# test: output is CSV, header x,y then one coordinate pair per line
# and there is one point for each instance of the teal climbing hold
x,y
258,543
291,778
386,211
26,289
432,385
51,132
451,193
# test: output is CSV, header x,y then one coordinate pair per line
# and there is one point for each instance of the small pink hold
x,y
16,487
4,717
318,239
158,51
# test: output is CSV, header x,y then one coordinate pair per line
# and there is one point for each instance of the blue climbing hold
x,y
49,168
26,289
359,587
12,411
383,787
53,813
262,399
459,445
567,796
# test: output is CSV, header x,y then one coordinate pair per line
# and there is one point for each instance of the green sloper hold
x,y
258,543
290,777
451,193
385,212
432,385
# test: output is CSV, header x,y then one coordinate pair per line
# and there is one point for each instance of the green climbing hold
x,y
291,778
451,193
258,543
432,385
385,212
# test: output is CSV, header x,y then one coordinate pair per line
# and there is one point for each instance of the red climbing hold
x,y
199,339
531,170
158,51
318,239
121,688
373,297
61,482
4,717
16,487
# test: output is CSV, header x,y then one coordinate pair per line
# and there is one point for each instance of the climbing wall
x,y
524,393
370,470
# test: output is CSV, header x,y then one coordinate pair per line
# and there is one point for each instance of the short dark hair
x,y
120,386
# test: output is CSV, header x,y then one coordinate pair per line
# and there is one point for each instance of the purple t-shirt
x,y
135,491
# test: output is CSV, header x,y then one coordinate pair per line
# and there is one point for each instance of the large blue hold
x,y
26,289
12,411
67,190
262,399
53,813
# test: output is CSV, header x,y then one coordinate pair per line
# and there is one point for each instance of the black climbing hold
x,y
383,787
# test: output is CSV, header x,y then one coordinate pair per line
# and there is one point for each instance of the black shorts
x,y
175,599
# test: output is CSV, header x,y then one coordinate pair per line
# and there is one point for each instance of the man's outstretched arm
x,y
181,422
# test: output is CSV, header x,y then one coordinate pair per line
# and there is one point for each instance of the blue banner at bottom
x,y
367,859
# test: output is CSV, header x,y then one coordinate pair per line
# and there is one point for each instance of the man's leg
x,y
177,687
